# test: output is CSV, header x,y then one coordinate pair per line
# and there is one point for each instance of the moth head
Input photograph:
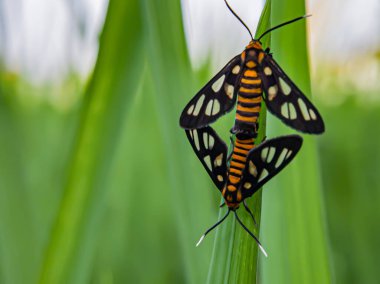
x,y
254,44
233,206
230,198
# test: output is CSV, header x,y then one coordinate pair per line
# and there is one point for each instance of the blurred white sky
x,y
210,26
339,29
44,39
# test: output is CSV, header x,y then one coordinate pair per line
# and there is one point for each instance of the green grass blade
x,y
174,86
235,253
17,234
73,240
293,225
352,195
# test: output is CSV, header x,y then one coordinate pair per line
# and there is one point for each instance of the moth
x,y
247,79
247,168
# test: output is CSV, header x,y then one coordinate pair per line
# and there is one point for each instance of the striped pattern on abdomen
x,y
243,144
249,100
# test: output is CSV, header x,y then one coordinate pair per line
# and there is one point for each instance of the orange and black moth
x,y
242,173
250,166
250,78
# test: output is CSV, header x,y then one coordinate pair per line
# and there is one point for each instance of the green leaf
x,y
293,221
173,84
109,94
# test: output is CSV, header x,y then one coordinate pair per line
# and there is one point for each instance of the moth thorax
x,y
252,57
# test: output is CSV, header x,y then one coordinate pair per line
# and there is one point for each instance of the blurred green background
x,y
99,185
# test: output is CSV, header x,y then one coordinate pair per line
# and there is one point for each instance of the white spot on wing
x,y
190,110
281,158
264,154
272,92
195,139
312,114
285,87
208,162
199,105
247,185
271,153
267,71
252,169
205,139
220,178
303,108
288,154
263,175
209,107
218,84
236,70
216,107
285,110
211,142
229,89
292,111
218,160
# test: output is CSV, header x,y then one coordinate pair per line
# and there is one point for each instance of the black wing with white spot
x,y
216,98
267,160
211,151
286,101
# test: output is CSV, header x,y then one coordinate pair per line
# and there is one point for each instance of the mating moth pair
x,y
248,80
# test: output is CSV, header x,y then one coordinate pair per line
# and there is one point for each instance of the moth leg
x,y
229,156
256,127
250,212
232,142
231,147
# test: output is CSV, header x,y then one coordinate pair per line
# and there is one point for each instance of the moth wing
x,y
286,101
267,160
211,151
215,99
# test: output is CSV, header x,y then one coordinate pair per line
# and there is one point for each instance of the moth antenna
x,y
249,211
283,24
251,234
212,228
240,20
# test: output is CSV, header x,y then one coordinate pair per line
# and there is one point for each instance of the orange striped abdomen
x,y
232,193
249,102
